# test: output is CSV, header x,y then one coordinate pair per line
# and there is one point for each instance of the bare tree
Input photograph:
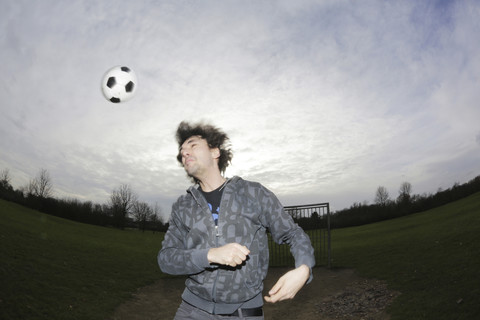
x,y
121,201
31,188
157,211
44,184
381,196
156,218
141,211
41,185
404,192
5,179
156,222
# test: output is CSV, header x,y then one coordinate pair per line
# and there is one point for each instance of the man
x,y
217,235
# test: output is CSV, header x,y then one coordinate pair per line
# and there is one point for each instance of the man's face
x,y
197,157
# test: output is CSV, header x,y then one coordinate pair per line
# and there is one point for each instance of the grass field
x,y
432,258
51,268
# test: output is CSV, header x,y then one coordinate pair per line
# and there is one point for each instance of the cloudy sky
x,y
324,101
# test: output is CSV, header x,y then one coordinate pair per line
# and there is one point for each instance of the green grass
x,y
432,258
52,268
280,255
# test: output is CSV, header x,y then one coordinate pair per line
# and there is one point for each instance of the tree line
x,y
404,204
123,210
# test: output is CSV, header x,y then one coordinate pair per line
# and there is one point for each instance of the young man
x,y
217,235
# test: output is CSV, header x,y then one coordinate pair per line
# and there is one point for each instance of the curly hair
x,y
215,138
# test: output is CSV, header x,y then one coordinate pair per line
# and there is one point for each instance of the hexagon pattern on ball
x,y
119,84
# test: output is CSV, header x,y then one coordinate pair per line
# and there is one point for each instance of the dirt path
x,y
333,294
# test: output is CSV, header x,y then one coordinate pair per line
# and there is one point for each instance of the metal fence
x,y
315,220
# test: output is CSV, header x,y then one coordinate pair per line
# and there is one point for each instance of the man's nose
x,y
185,152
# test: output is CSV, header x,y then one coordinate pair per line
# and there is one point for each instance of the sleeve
x,y
285,231
173,257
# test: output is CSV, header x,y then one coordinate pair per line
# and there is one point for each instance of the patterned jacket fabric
x,y
247,210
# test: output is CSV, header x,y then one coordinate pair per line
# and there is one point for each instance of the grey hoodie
x,y
247,209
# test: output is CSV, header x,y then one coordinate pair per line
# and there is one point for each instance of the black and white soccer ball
x,y
119,84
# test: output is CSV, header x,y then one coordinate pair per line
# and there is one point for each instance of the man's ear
x,y
215,153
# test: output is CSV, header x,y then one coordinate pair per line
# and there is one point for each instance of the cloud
x,y
322,101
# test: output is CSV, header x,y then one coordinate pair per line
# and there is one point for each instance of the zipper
x,y
214,288
217,235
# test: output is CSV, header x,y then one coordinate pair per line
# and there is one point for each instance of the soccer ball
x,y
119,84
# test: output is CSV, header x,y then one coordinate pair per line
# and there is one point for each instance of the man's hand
x,y
232,254
289,284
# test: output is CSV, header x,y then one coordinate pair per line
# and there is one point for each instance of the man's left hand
x,y
289,284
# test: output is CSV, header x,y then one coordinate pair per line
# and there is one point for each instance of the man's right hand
x,y
232,254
